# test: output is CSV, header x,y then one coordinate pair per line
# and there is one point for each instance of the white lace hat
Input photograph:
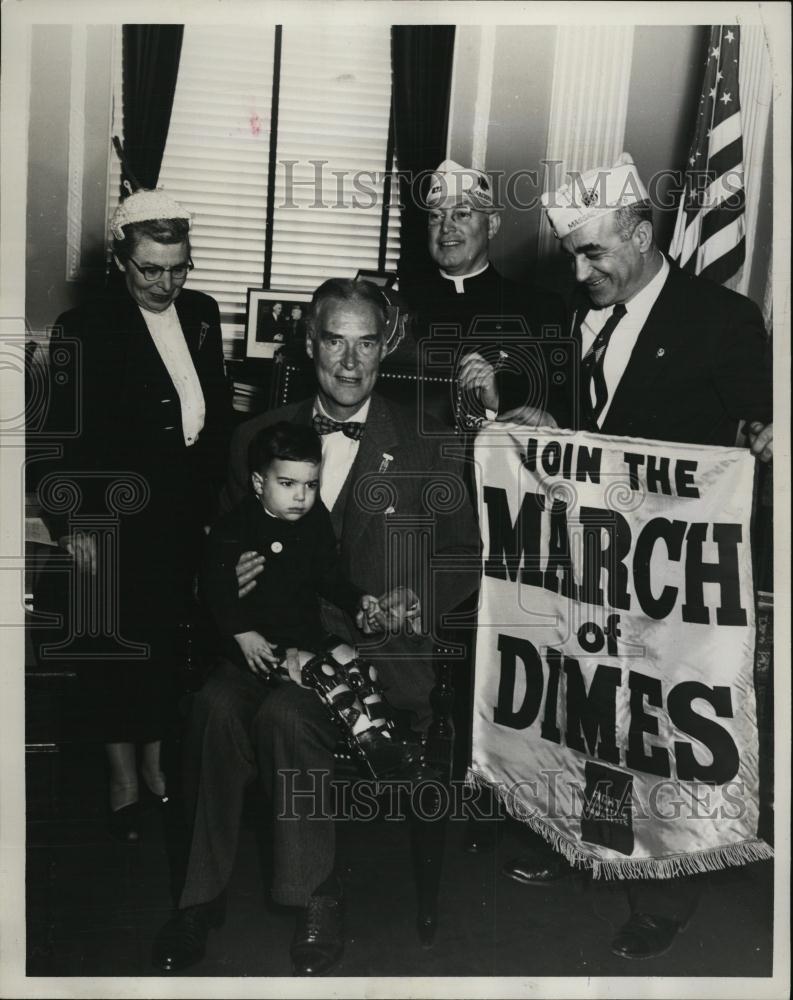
x,y
145,206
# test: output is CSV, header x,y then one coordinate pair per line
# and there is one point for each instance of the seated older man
x,y
241,727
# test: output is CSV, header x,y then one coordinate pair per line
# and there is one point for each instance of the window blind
x,y
333,116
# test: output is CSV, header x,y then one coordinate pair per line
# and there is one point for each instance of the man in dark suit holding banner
x,y
665,356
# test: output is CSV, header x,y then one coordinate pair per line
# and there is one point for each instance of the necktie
x,y
592,367
325,425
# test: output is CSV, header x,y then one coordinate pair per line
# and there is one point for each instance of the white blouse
x,y
166,332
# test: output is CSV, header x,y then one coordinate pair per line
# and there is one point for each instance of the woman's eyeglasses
x,y
151,272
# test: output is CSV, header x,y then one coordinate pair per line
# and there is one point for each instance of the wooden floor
x,y
94,906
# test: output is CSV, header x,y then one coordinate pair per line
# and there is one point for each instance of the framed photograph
x,y
275,319
383,279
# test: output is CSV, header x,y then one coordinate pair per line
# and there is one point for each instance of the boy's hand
x,y
257,651
293,666
249,566
370,617
400,608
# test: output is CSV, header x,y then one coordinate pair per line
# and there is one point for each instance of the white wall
x,y
48,290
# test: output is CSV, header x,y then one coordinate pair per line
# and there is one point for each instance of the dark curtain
x,y
421,59
150,67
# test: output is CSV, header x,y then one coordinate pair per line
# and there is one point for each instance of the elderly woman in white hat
x,y
154,418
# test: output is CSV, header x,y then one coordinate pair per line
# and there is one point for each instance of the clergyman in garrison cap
x,y
464,290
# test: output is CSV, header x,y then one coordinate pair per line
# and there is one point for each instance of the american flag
x,y
709,233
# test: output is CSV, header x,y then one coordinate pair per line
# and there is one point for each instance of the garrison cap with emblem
x,y
145,206
592,194
451,184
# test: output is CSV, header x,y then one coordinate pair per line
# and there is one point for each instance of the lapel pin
x,y
660,352
387,460
276,547
202,335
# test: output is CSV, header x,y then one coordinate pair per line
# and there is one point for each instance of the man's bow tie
x,y
324,425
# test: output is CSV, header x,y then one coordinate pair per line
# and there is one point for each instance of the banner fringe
x,y
524,814
694,863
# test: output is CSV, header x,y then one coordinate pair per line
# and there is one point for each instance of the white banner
x,y
614,705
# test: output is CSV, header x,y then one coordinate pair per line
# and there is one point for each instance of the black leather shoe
x,y
122,824
533,869
318,942
183,940
646,936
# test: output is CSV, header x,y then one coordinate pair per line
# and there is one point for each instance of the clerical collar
x,y
460,279
359,416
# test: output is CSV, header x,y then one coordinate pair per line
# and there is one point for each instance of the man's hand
x,y
530,416
761,440
249,566
370,616
479,377
257,651
83,549
398,609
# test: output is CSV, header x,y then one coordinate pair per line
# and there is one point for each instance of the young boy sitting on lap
x,y
276,630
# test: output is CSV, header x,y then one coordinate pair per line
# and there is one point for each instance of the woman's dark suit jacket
x,y
127,416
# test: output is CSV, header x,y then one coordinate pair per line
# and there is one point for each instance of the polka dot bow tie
x,y
324,425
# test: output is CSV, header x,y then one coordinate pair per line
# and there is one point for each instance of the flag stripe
x,y
709,229
728,158
722,190
691,239
720,243
724,133
713,222
680,228
724,267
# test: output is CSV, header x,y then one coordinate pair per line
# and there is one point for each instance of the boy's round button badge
x,y
276,547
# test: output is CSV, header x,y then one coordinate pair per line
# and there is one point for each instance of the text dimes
x,y
594,556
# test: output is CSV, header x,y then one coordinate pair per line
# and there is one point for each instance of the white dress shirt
x,y
624,338
166,332
338,454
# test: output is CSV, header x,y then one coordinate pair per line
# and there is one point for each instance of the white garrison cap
x,y
593,194
451,183
145,206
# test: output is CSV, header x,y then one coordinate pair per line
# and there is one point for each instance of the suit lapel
x,y
138,347
581,404
378,440
304,411
647,363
